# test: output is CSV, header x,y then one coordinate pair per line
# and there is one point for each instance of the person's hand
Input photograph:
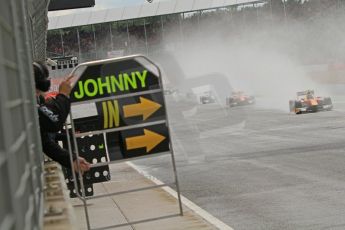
x,y
84,165
65,87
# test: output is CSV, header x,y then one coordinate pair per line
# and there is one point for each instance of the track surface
x,y
259,168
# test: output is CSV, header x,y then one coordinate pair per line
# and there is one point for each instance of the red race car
x,y
239,98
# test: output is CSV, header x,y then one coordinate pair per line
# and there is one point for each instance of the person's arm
x,y
55,152
61,106
61,101
61,155
51,117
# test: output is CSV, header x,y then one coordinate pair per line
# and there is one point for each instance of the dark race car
x,y
307,102
207,98
238,98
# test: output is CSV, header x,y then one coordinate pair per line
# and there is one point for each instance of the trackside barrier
x,y
123,99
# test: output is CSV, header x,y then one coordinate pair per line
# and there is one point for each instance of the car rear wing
x,y
302,93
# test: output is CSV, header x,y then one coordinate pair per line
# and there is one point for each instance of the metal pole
x,y
111,37
231,18
285,15
145,33
171,147
257,13
162,27
271,11
128,38
176,179
76,187
181,29
63,50
199,15
79,172
79,46
244,18
94,39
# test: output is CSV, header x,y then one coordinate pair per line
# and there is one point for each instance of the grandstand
x,y
135,29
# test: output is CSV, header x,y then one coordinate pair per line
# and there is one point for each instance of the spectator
x,y
52,116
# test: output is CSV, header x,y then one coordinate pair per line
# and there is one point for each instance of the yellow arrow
x,y
149,140
145,108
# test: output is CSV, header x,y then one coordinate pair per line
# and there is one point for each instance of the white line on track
x,y
195,208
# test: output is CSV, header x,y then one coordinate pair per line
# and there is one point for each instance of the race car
x,y
238,98
307,102
207,98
